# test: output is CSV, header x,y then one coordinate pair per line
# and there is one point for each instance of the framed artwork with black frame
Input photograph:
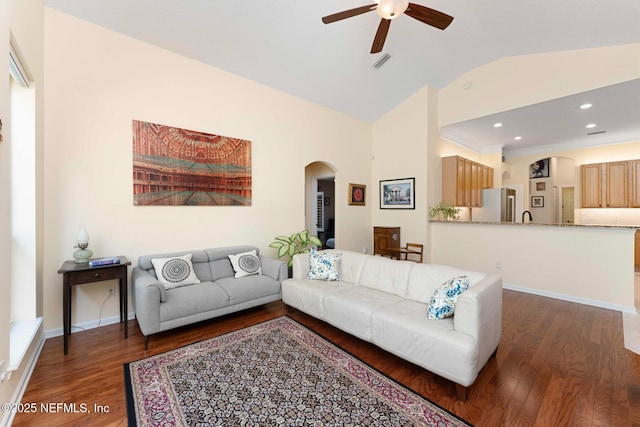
x,y
398,193
537,201
357,194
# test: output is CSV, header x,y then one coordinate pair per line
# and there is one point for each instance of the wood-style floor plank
x,y
559,364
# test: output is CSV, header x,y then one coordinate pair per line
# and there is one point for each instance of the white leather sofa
x,y
385,301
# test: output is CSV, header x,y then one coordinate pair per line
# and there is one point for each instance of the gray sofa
x,y
159,309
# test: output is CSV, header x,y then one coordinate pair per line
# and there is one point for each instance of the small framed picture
x,y
540,186
357,194
537,201
398,193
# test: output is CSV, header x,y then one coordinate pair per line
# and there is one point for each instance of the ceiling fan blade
x,y
381,35
429,16
348,13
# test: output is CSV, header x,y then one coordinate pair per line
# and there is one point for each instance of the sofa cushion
x,y
175,271
404,330
424,279
188,300
219,262
386,275
245,263
248,288
324,265
443,301
308,295
351,310
351,265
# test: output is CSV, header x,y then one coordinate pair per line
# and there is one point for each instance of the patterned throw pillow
x,y
324,266
175,271
246,263
443,301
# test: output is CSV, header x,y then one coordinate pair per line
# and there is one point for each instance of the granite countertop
x,y
534,224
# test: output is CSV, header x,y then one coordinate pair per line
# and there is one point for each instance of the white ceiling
x,y
284,44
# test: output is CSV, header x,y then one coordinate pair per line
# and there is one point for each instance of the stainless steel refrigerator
x,y
498,205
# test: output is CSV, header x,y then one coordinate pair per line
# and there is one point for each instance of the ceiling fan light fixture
x,y
391,9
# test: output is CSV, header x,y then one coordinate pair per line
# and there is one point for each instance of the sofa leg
x,y
463,392
495,353
146,342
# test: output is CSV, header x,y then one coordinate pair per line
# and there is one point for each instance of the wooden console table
x,y
78,274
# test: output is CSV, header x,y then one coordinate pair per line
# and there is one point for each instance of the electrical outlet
x,y
111,292
499,265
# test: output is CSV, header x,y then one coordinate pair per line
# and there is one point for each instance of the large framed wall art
x,y
398,193
179,167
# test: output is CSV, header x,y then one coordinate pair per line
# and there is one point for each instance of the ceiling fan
x,y
391,9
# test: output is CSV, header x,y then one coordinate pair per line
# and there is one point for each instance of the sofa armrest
x,y
301,264
148,294
274,268
479,314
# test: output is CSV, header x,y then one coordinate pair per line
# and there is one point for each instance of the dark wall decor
x,y
398,193
357,194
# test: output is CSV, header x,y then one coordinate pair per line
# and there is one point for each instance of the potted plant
x,y
297,243
443,212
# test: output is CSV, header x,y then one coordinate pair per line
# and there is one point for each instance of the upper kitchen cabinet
x,y
591,185
463,181
611,185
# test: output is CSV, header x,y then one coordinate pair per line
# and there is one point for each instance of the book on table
x,y
104,261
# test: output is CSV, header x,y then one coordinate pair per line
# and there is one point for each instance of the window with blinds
x,y
320,210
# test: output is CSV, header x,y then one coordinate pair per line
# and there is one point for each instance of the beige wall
x,y
98,81
517,81
586,265
21,21
400,151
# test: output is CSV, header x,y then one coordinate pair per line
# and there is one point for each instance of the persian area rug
x,y
277,373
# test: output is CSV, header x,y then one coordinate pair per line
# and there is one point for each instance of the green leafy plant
x,y
447,211
297,243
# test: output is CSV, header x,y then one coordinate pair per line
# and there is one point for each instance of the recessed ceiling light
x,y
591,126
518,138
585,106
497,125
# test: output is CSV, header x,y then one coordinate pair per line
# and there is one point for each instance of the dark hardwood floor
x,y
559,364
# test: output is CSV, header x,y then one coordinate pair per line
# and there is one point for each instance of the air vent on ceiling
x,y
380,62
597,133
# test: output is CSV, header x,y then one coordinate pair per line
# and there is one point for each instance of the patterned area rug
x,y
276,373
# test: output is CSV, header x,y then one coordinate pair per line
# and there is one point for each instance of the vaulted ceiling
x,y
284,44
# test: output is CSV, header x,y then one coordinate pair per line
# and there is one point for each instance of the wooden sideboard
x,y
385,238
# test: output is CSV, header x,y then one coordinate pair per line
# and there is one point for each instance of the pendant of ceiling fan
x,y
392,9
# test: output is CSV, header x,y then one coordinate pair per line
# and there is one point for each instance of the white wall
x,y
589,265
98,81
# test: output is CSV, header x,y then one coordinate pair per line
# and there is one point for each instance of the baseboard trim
x,y
87,325
570,298
24,379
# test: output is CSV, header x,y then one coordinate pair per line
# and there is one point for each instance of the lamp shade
x,y
83,235
390,9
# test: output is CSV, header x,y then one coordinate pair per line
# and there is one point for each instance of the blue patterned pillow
x,y
443,301
324,266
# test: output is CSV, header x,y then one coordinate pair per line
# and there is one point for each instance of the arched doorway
x,y
320,201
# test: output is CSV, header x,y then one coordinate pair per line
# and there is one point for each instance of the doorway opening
x,y
320,202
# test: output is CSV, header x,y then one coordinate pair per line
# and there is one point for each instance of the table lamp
x,y
82,255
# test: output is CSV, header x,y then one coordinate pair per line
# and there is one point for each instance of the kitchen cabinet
x,y
635,184
591,185
463,181
611,184
385,238
637,252
616,187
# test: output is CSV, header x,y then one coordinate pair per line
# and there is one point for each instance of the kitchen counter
x,y
535,224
